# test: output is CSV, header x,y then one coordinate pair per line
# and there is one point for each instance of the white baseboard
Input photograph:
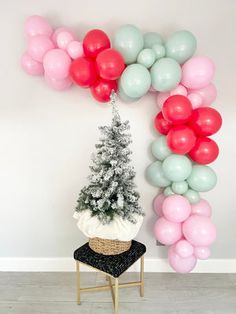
x,y
60,264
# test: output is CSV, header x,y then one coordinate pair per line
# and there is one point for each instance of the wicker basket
x,y
109,247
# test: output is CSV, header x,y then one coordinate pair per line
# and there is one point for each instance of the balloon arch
x,y
135,65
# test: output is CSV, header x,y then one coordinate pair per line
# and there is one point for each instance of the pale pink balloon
x,y
62,29
176,208
57,64
59,85
38,46
167,232
207,93
179,264
63,39
197,72
202,208
202,252
161,98
199,230
179,90
75,49
37,25
183,248
195,99
31,66
157,204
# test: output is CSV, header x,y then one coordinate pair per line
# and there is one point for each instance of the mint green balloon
x,y
179,187
135,81
192,196
165,74
160,149
146,57
155,175
181,46
159,50
123,96
151,39
202,178
177,167
129,42
168,191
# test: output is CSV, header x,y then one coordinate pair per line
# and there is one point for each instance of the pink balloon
x,y
59,85
38,46
195,99
199,230
202,208
179,264
176,208
167,232
37,25
31,66
202,252
62,29
179,90
75,49
197,72
161,98
152,89
208,94
183,248
63,39
157,204
57,64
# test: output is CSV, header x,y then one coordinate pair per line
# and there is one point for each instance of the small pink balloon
x,y
202,252
157,204
56,64
183,248
161,98
38,46
199,230
31,66
59,85
179,264
37,25
202,208
152,89
207,93
195,99
167,232
63,39
62,29
176,208
197,72
179,90
75,49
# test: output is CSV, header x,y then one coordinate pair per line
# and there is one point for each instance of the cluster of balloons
x,y
185,228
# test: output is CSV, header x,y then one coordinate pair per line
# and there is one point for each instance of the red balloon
x,y
110,64
102,89
161,125
177,109
204,151
83,72
94,42
205,121
181,139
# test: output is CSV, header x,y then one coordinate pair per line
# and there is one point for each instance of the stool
x,y
112,266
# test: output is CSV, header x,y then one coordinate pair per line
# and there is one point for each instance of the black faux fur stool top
x,y
115,265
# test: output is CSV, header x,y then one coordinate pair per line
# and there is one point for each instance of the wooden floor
x,y
47,293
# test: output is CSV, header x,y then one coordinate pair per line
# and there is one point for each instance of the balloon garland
x,y
133,66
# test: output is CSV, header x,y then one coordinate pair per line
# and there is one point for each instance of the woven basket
x,y
109,247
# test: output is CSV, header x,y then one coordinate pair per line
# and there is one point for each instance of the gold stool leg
x,y
78,281
116,295
142,276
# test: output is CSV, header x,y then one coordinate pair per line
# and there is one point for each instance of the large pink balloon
x,y
38,46
202,208
167,232
176,208
208,94
179,264
57,64
37,25
197,72
157,204
202,252
199,230
75,49
31,66
59,85
183,248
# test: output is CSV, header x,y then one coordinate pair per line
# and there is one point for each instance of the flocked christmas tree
x,y
111,190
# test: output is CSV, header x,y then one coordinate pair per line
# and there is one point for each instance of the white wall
x,y
47,137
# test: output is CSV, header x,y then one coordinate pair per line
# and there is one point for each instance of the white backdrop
x,y
47,137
